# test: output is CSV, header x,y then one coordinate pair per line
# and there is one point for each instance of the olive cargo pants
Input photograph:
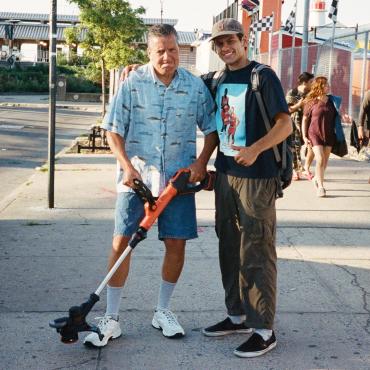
x,y
246,228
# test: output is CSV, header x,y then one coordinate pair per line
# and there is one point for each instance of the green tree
x,y
72,40
112,29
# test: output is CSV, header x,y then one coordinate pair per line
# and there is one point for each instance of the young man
x,y
152,132
295,100
246,188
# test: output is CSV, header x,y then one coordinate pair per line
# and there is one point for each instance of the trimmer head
x,y
69,327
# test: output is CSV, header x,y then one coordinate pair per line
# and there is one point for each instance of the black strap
x,y
255,81
217,79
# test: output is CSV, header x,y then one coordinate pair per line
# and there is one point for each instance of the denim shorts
x,y
177,221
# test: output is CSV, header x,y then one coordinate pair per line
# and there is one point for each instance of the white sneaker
x,y
321,192
108,327
166,321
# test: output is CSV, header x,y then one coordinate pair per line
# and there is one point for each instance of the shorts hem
x,y
182,237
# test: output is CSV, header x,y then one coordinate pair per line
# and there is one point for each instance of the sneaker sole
x,y
103,342
225,332
156,325
255,354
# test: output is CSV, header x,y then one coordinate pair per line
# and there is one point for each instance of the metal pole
x,y
161,11
293,48
306,16
270,40
364,63
52,100
331,52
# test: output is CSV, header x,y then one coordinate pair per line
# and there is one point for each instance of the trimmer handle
x,y
180,181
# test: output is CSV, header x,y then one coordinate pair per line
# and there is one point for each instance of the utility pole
x,y
161,11
52,100
306,16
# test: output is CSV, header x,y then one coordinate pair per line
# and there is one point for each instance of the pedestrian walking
x,y
151,129
364,119
295,99
318,127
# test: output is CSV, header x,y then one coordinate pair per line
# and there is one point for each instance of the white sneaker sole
x,y
255,354
225,332
156,325
102,343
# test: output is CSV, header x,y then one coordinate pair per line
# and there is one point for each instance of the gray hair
x,y
162,30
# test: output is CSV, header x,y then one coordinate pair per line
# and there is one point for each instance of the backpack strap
x,y
255,81
217,79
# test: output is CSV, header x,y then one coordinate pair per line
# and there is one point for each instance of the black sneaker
x,y
226,327
256,346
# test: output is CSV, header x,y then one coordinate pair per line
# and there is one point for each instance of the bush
x,y
35,79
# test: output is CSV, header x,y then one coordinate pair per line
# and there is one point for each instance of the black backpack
x,y
282,152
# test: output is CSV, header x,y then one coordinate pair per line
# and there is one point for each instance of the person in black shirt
x,y
295,99
364,118
246,188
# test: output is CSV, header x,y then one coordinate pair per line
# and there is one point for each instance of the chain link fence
x,y
345,61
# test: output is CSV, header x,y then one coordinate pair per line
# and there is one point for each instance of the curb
x,y
46,105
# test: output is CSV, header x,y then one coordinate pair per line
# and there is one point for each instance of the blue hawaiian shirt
x,y
159,123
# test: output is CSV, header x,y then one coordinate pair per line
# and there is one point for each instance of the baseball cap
x,y
226,26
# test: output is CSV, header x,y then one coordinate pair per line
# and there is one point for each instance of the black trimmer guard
x,y
69,327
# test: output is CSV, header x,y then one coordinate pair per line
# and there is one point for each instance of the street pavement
x,y
24,139
52,259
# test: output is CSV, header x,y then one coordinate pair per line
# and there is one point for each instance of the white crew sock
x,y
264,333
114,295
237,319
165,292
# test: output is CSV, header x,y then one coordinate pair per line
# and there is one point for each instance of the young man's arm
x,y
207,124
280,131
198,169
277,111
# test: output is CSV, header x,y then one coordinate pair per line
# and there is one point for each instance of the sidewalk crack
x,y
365,294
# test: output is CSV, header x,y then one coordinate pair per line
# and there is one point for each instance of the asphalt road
x,y
24,140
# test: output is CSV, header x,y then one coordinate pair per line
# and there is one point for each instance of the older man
x,y
152,132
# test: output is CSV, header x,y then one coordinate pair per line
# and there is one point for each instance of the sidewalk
x,y
42,101
53,259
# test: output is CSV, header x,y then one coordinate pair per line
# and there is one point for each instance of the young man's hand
x,y
247,155
197,172
126,71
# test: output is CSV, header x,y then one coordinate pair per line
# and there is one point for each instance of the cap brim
x,y
223,33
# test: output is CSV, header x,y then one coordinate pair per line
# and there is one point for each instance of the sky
x,y
192,14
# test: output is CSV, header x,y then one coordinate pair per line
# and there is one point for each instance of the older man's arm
x,y
280,131
117,145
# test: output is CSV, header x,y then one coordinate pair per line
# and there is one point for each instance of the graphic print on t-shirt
x,y
230,118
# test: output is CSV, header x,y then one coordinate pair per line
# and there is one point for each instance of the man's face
x,y
230,49
164,54
307,86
